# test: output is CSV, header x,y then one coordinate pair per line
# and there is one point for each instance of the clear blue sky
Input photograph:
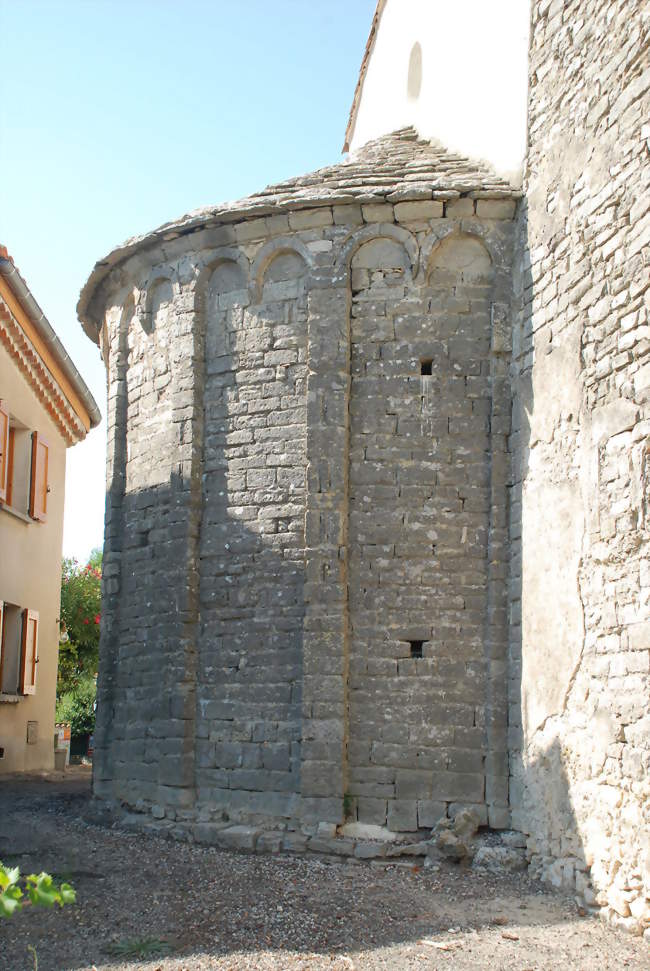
x,y
118,115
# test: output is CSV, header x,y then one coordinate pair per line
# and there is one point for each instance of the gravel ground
x,y
146,903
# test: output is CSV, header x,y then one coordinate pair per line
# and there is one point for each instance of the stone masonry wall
x,y
265,380
420,459
252,540
580,605
145,724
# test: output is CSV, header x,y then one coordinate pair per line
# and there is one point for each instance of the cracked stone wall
x,y
580,605
292,502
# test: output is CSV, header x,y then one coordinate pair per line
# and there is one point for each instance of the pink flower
x,y
86,621
96,618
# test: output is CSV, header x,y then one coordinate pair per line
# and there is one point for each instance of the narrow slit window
x,y
426,365
416,648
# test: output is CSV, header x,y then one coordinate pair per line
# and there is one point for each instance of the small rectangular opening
x,y
416,648
426,365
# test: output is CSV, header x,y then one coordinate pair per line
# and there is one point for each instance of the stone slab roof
x,y
393,168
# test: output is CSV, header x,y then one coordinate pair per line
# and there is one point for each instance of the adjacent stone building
x,y
377,485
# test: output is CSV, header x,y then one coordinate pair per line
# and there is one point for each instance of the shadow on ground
x,y
218,909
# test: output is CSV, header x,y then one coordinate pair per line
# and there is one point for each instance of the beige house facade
x,y
45,407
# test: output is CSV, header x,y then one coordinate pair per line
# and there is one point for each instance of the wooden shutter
x,y
4,451
39,487
29,652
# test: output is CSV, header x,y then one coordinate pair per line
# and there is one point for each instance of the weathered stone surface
x,y
238,837
495,208
579,741
415,211
269,842
337,847
455,838
322,508
373,553
208,833
407,849
500,858
368,851
294,842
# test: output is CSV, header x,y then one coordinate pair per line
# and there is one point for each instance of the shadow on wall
x,y
201,662
215,493
546,630
578,698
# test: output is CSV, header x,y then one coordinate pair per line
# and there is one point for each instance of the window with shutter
x,y
29,652
39,487
2,639
4,451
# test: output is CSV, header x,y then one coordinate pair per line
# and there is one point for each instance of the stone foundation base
x,y
495,851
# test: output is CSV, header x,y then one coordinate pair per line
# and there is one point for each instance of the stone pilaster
x,y
326,627
114,338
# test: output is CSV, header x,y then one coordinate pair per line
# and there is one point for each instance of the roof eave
x,y
367,54
45,330
272,201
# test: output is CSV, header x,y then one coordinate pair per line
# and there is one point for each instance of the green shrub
x,y
80,621
77,707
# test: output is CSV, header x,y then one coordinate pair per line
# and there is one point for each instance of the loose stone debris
x,y
227,910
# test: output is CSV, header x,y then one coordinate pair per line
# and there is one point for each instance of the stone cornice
x,y
398,167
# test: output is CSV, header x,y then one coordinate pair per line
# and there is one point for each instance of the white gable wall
x,y
474,78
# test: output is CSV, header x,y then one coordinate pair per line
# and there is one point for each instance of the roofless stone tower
x,y
305,539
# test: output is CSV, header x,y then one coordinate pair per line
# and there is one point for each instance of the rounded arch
x,y
115,322
222,272
457,254
158,295
489,236
210,260
382,230
282,246
380,253
464,256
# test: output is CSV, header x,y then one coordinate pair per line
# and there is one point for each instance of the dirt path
x,y
190,907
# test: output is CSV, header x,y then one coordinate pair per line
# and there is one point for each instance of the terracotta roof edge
x,y
24,296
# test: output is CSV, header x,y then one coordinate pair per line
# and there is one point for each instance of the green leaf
x,y
8,906
8,877
68,894
42,891
10,901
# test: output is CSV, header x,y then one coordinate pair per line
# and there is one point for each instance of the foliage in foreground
x,y
36,889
